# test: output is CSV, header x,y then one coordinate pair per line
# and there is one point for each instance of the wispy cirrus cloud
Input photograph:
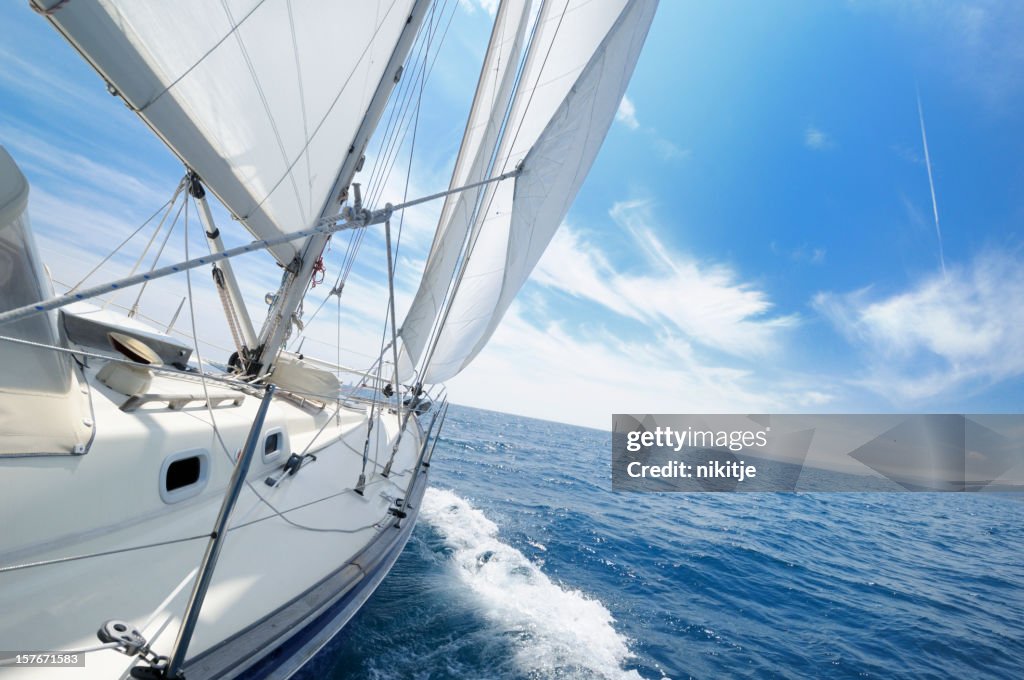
x,y
943,335
975,43
706,302
668,150
600,372
816,139
801,253
674,333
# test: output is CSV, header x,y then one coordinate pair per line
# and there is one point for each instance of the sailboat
x,y
166,516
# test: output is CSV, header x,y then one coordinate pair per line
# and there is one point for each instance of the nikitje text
x,y
715,469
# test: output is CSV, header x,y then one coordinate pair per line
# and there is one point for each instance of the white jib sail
x,y
262,98
490,104
580,61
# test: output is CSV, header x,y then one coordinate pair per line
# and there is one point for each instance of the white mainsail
x,y
490,104
261,98
579,63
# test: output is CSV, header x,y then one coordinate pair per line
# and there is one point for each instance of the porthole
x,y
184,474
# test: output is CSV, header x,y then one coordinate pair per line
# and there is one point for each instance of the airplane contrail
x,y
931,183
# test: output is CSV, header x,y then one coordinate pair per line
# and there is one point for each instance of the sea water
x,y
524,564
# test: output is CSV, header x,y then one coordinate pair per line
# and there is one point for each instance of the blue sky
x,y
757,233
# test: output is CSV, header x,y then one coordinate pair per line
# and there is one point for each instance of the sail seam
x,y
270,116
201,59
302,101
330,109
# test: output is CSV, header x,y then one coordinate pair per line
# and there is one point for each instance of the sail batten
x,y
575,73
261,98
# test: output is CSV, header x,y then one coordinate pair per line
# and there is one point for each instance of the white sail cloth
x,y
579,63
262,98
490,104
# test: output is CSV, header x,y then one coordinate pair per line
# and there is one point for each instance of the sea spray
x,y
560,631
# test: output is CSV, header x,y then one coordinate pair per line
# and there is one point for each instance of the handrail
x,y
213,548
176,402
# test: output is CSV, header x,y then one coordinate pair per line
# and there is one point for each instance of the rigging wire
x,y
149,244
348,263
102,553
403,422
123,243
400,116
425,73
374,409
156,259
488,196
220,438
398,106
355,241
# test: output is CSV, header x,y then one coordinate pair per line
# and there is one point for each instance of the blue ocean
x,y
524,564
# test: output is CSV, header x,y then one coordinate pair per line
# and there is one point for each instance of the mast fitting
x,y
195,185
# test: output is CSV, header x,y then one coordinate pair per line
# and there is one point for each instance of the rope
x,y
104,553
339,285
229,311
220,437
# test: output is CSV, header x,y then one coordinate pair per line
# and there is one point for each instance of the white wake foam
x,y
560,631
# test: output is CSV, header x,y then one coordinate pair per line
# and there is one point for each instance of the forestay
x,y
579,63
262,98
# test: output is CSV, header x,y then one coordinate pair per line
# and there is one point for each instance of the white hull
x,y
109,499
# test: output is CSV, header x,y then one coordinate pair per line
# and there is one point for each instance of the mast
x,y
235,312
299,272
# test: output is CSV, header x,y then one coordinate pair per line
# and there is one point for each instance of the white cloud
x,y
706,302
941,336
974,43
489,6
802,253
544,371
669,151
678,336
627,113
816,139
